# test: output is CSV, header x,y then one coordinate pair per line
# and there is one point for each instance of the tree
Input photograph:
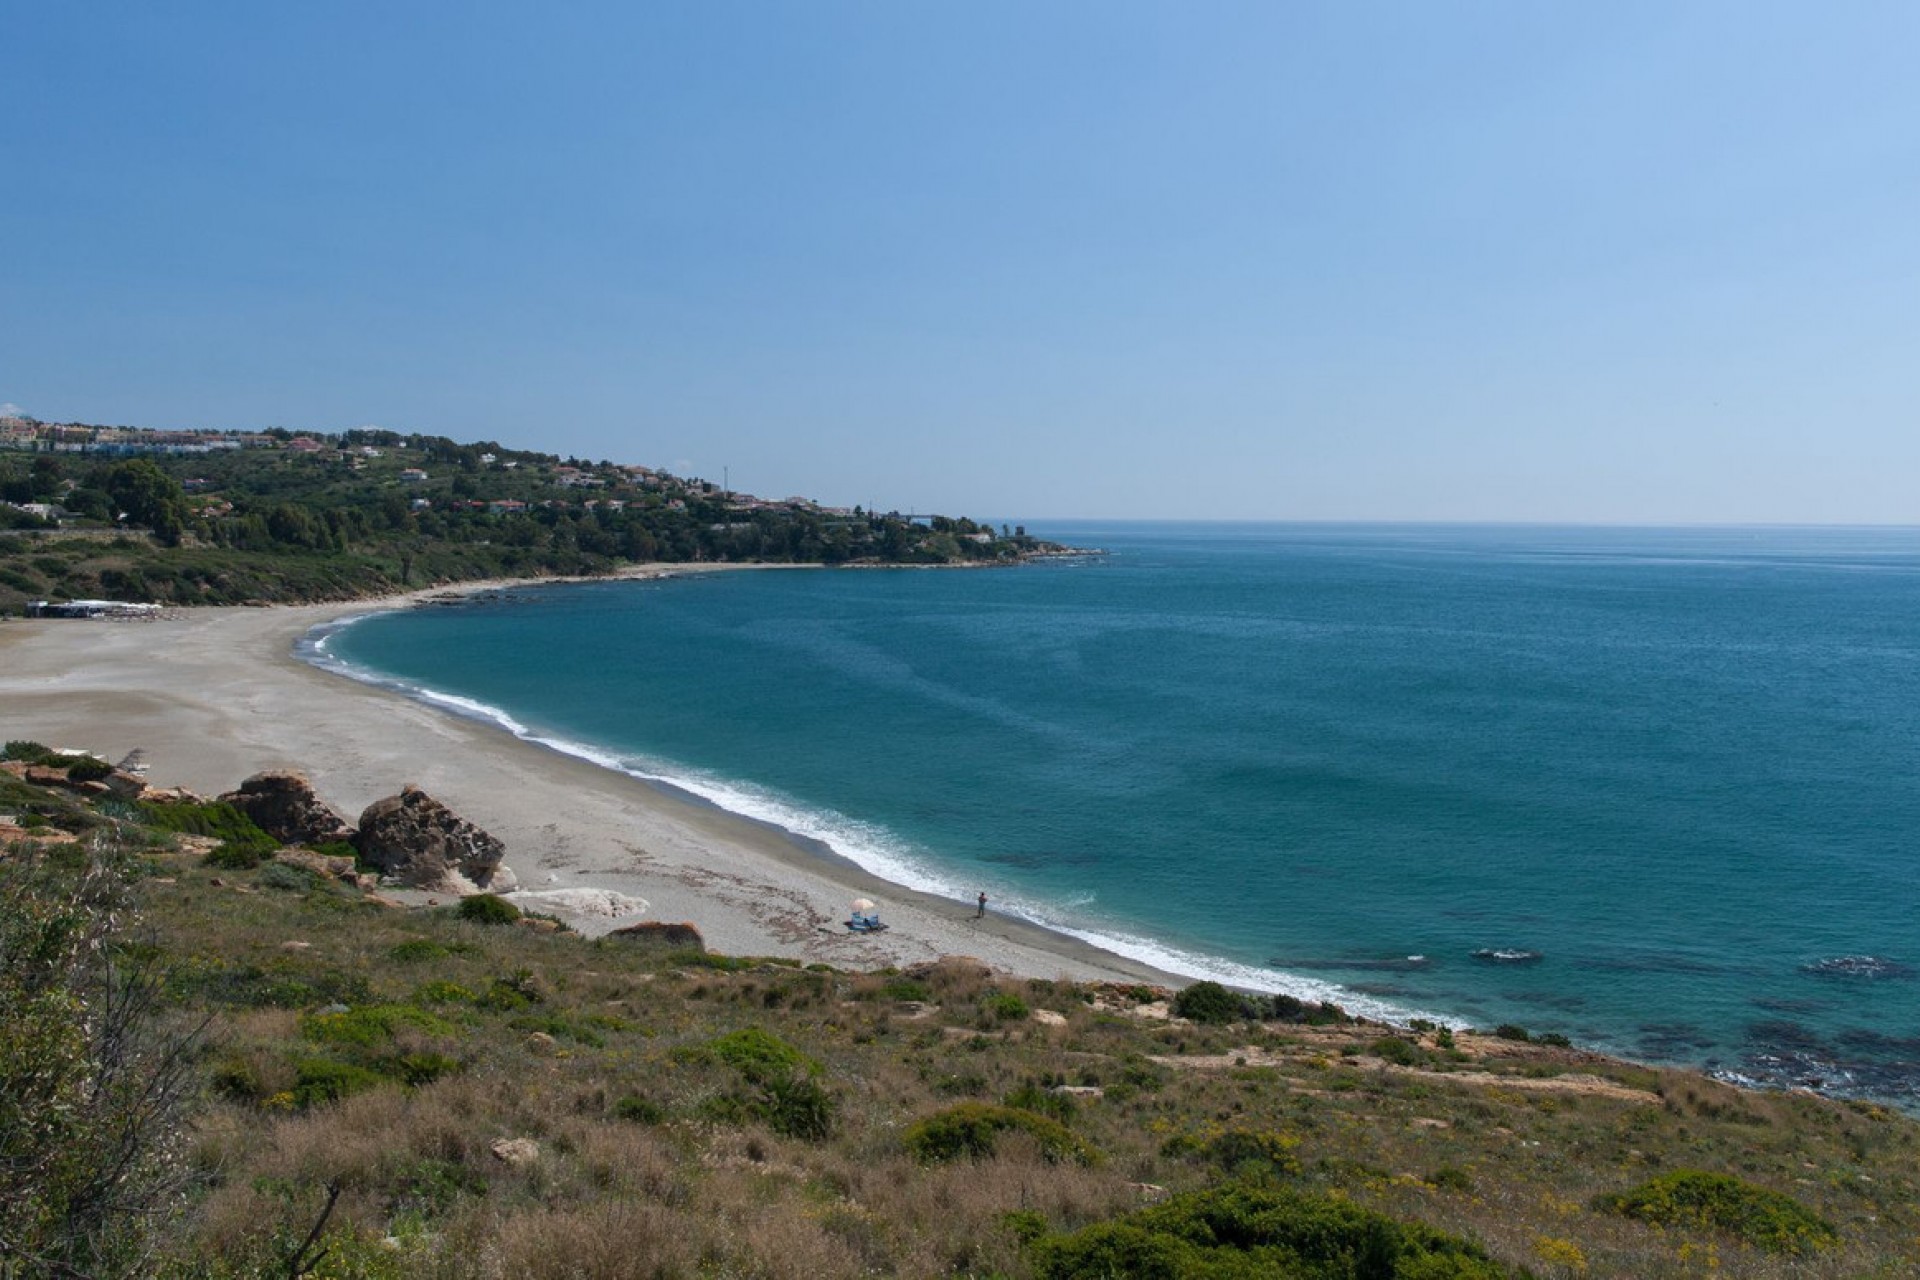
x,y
148,496
93,1084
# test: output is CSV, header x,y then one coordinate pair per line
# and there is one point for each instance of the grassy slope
x,y
661,1155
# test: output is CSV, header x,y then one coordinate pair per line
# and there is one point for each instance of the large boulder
x,y
283,805
420,842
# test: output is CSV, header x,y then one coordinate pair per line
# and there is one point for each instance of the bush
x,y
759,1055
243,845
93,1088
798,1106
417,1069
1255,1154
320,1080
1209,1002
1397,1051
88,769
970,1131
1244,1231
1042,1101
28,752
635,1109
414,949
372,1026
287,879
906,989
1719,1202
487,908
1508,1031
1005,1007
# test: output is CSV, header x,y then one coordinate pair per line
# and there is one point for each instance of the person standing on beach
x,y
983,907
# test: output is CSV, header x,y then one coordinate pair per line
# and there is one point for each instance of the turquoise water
x,y
1680,767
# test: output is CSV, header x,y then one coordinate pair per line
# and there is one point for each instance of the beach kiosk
x,y
864,918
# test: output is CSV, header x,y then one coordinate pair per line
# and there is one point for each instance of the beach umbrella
x,y
863,904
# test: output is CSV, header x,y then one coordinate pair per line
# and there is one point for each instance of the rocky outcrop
x,y
422,843
283,805
662,933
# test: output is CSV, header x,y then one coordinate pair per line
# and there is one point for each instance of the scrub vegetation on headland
x,y
188,518
221,1057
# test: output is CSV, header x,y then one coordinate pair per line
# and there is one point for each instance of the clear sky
x,y
1637,262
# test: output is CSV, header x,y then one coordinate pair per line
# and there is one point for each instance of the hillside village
x,y
199,517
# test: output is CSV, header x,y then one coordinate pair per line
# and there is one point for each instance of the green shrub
x,y
243,845
759,1055
1005,1007
1719,1202
906,989
1449,1178
1043,1101
88,769
423,1068
94,1085
487,908
372,1026
28,752
516,991
970,1131
319,1080
287,879
635,1109
1508,1031
1397,1051
415,949
798,1106
1238,1231
1209,1002
444,993
1256,1154
430,1187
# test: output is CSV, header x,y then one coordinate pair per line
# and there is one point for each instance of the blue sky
x,y
1514,261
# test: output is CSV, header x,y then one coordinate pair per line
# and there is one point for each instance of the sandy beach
x,y
215,695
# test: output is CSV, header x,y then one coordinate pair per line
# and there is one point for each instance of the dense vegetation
x,y
197,1060
373,511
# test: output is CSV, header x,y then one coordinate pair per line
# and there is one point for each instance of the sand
x,y
214,695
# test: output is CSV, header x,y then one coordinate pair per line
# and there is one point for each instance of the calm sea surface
x,y
1679,767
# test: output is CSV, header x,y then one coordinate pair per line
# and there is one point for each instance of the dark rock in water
x,y
1779,1034
1858,967
1776,1005
1675,1041
1507,955
660,931
284,806
1866,1040
421,842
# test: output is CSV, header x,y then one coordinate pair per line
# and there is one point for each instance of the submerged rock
x,y
425,845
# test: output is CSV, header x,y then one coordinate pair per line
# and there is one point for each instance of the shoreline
x,y
216,695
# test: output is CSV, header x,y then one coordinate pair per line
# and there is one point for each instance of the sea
x,y
1655,790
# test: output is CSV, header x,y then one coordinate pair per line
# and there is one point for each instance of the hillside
x,y
491,1096
185,518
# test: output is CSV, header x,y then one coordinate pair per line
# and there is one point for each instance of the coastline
x,y
215,695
